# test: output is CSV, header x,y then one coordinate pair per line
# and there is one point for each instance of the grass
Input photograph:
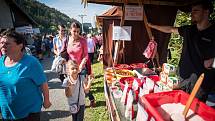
x,y
99,113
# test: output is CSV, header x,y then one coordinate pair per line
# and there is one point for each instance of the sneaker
x,y
92,104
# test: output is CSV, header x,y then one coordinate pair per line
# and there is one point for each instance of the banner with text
x,y
133,13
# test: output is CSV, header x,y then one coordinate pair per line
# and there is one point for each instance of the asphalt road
x,y
59,109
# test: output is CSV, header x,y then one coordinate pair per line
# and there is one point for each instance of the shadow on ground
x,y
55,85
95,83
48,115
95,90
98,76
98,104
50,75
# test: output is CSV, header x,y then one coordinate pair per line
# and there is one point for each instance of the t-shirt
x,y
59,43
77,50
74,98
197,47
20,92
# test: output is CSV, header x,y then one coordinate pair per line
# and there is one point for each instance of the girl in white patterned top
x,y
75,88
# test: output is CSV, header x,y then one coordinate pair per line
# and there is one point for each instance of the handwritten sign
x,y
133,13
121,33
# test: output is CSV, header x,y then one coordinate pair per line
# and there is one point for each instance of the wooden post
x,y
149,31
118,42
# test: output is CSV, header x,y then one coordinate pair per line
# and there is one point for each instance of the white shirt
x,y
90,45
74,98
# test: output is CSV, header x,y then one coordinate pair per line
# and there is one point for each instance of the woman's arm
x,y
45,91
55,47
84,54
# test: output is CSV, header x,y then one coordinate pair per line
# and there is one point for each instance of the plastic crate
x,y
153,100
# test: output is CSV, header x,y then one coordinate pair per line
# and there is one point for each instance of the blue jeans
x,y
80,115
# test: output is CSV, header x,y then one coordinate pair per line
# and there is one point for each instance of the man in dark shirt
x,y
198,50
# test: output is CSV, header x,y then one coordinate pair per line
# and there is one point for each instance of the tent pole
x,y
149,31
118,42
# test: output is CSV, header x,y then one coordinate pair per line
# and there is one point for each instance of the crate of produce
x,y
155,107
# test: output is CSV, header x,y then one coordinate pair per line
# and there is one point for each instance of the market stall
x,y
134,88
138,93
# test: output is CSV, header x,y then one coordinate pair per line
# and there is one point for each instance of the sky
x,y
73,8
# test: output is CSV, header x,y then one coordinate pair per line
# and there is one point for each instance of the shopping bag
x,y
151,49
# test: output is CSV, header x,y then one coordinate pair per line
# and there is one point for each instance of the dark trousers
x,y
91,56
80,115
90,96
30,117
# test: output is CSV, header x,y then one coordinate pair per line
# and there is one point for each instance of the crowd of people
x,y
19,81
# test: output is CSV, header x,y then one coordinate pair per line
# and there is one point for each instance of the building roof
x,y
15,15
153,2
115,11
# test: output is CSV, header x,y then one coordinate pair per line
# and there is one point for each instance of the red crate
x,y
153,100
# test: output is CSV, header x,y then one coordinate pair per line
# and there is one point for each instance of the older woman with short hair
x,y
23,86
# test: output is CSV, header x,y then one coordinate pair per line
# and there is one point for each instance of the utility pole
x,y
82,25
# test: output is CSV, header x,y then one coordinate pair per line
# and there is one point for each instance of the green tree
x,y
47,18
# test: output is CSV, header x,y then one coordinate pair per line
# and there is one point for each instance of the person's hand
x,y
46,104
91,78
149,25
208,63
84,60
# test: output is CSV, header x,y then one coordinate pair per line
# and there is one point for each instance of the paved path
x,y
59,110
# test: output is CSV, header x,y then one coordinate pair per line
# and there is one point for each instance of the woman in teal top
x,y
23,86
